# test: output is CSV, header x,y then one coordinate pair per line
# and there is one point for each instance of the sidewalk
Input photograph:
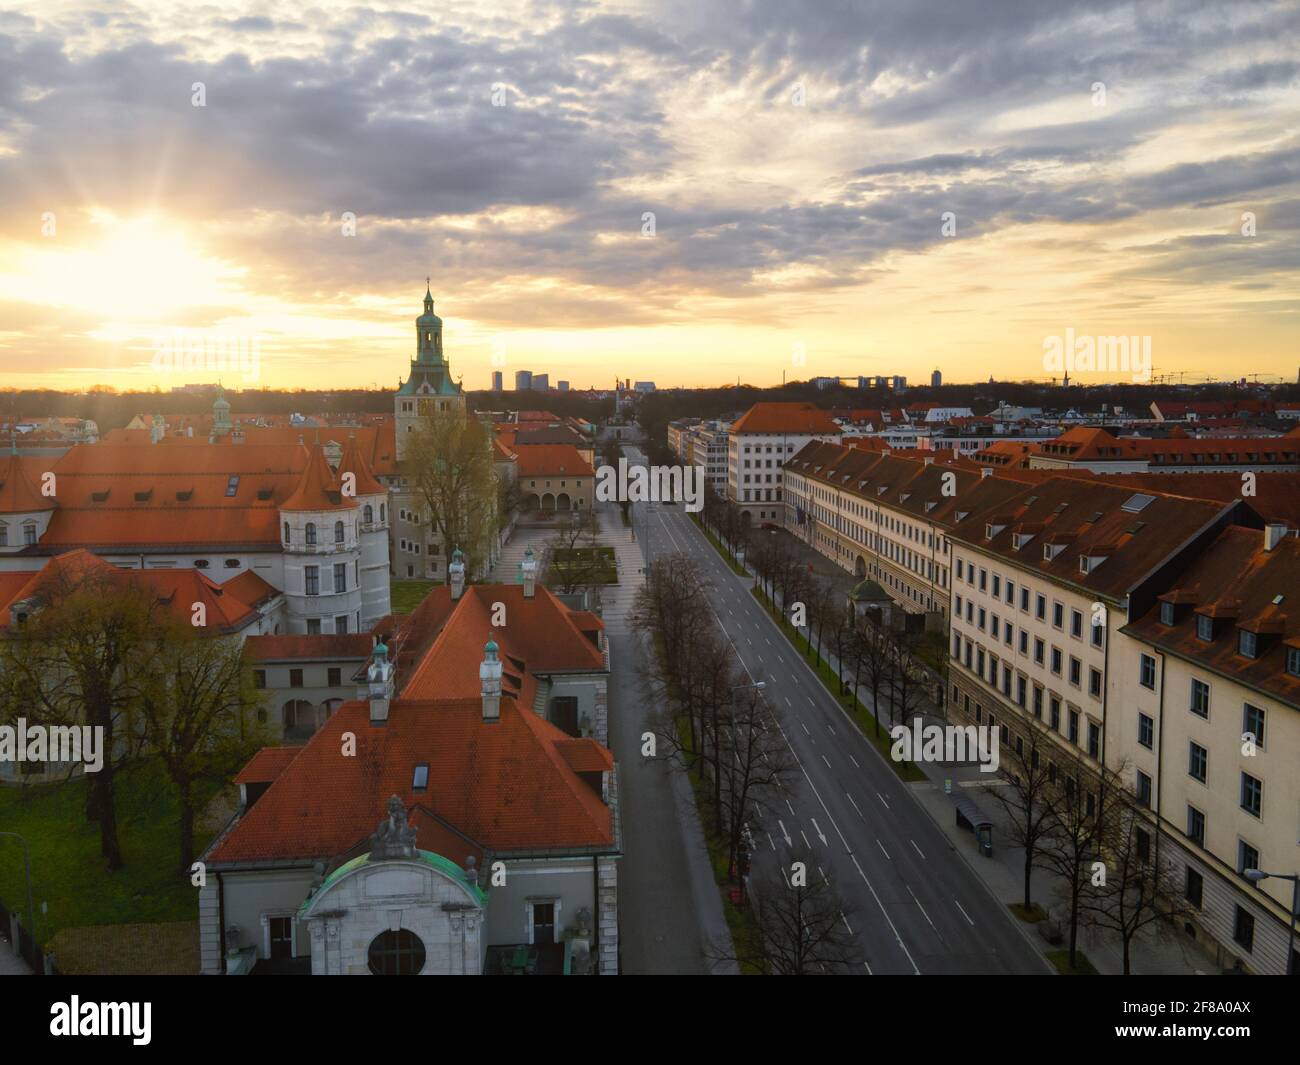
x,y
1003,874
12,964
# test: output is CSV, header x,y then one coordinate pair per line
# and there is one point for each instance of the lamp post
x,y
27,868
1255,876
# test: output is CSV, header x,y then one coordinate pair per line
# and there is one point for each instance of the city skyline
x,y
680,199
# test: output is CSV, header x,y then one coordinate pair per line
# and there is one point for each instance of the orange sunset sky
x,y
1109,168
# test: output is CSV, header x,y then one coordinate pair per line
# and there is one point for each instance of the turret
x,y
489,675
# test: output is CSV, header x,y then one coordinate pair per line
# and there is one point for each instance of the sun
x,y
135,270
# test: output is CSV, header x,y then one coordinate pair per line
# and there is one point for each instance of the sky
x,y
681,191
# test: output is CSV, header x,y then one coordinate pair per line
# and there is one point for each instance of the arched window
x,y
286,532
311,532
368,514
381,511
338,532
399,953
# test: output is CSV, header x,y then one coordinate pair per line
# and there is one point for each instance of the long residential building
x,y
1145,634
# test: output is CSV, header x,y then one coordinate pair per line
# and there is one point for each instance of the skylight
x,y
1137,503
420,780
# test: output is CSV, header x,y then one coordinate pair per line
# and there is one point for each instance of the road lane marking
x,y
963,912
855,806
918,905
882,799
883,851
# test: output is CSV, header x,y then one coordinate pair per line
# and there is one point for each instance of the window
x,y
997,586
1247,856
1056,661
286,532
1204,628
1074,726
1076,623
1094,683
1200,705
1098,631
259,678
1094,740
1293,661
1166,613
341,624
311,533
1146,731
1195,825
564,714
399,953
1247,644
1197,762
335,676
1024,642
1194,887
1024,599
1055,716
295,678
341,577
420,778
338,532
1076,671
311,579
313,626
368,514
1252,723
1039,649
1147,672
1038,701
1058,615
1143,788
1040,607
1252,794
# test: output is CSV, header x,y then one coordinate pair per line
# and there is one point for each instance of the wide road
x,y
913,905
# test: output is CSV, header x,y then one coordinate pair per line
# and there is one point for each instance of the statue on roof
x,y
394,838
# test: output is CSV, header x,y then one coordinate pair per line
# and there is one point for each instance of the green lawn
x,y
405,596
67,871
1061,959
593,565
853,707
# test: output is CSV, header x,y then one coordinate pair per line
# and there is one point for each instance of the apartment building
x,y
884,517
1147,633
1211,672
1098,450
760,443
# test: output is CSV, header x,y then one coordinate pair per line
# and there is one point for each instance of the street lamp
x,y
1255,876
27,867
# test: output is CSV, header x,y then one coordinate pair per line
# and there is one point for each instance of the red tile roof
x,y
354,462
552,460
18,491
267,764
791,418
318,488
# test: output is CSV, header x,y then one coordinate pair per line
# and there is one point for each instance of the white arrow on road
x,y
817,828
781,825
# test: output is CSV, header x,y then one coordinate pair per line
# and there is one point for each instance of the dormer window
x,y
1293,661
991,530
1166,613
1204,628
1247,643
1050,551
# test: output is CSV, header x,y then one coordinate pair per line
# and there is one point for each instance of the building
x,y
1145,634
1099,450
541,382
759,444
276,511
563,386
500,845
936,379
554,477
523,380
496,381
706,446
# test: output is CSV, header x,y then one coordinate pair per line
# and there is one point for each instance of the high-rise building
x,y
523,380
563,386
541,382
496,381
936,379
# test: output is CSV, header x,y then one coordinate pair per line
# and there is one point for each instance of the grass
x,y
594,565
1061,959
406,595
739,571
1030,916
68,873
853,706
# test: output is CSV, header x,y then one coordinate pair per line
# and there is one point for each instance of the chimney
x,y
987,471
456,574
1273,534
529,570
489,675
380,676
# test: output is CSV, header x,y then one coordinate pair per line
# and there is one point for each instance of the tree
x,y
572,561
1077,820
873,661
1138,890
197,702
450,468
906,681
1026,798
77,660
802,921
756,759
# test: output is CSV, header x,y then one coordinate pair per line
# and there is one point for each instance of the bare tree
x,y
802,922
873,661
756,760
571,560
1026,798
1136,890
